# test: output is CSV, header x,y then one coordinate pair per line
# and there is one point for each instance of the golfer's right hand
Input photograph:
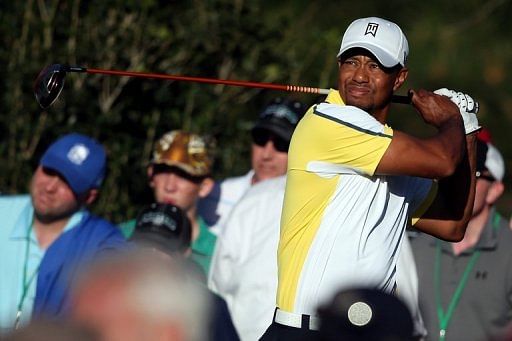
x,y
435,109
467,106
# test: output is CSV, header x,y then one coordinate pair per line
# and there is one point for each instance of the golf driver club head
x,y
49,83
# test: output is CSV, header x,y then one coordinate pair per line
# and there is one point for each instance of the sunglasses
x,y
261,138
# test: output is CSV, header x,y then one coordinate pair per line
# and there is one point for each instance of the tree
x,y
463,45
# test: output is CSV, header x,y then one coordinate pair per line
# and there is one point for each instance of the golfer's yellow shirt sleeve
x,y
331,142
344,136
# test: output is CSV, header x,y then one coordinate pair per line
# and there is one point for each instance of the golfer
x,y
354,183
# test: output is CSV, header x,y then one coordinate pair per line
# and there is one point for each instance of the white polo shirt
x,y
342,225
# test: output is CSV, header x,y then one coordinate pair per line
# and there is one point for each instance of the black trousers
x,y
278,332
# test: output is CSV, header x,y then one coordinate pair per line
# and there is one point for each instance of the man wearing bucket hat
x,y
179,174
271,136
465,287
354,184
46,234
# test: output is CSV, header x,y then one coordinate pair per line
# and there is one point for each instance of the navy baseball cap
x,y
165,227
280,117
79,159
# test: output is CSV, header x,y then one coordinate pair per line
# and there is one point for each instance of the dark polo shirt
x,y
485,306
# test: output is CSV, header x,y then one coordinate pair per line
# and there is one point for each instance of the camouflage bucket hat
x,y
189,152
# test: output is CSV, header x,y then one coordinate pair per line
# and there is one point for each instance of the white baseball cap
x,y
384,39
495,163
490,158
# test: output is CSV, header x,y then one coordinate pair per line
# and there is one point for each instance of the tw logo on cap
x,y
371,28
78,154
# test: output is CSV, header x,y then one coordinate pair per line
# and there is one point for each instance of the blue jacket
x,y
61,263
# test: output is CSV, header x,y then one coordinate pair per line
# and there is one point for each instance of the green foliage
x,y
462,44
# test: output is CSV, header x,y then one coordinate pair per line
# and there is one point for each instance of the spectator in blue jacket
x,y
46,234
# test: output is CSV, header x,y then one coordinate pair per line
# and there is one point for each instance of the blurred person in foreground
x,y
47,234
354,184
166,229
466,286
179,173
140,296
271,136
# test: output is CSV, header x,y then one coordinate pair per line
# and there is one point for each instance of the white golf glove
x,y
467,106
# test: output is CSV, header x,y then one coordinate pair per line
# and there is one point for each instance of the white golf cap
x,y
384,39
489,159
495,163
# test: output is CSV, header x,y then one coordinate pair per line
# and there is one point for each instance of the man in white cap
x,y
465,287
354,183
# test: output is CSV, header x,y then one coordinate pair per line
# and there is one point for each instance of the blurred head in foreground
x,y
139,296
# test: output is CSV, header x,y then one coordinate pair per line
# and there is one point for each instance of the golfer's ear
x,y
400,78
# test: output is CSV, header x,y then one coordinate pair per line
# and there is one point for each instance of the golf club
x,y
50,81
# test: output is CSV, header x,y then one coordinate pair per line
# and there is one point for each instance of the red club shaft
x,y
272,86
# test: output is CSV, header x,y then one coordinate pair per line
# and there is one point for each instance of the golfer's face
x,y
363,83
268,162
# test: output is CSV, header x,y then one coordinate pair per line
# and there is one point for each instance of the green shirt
x,y
127,228
203,246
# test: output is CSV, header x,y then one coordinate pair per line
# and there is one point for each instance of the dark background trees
x,y
462,44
